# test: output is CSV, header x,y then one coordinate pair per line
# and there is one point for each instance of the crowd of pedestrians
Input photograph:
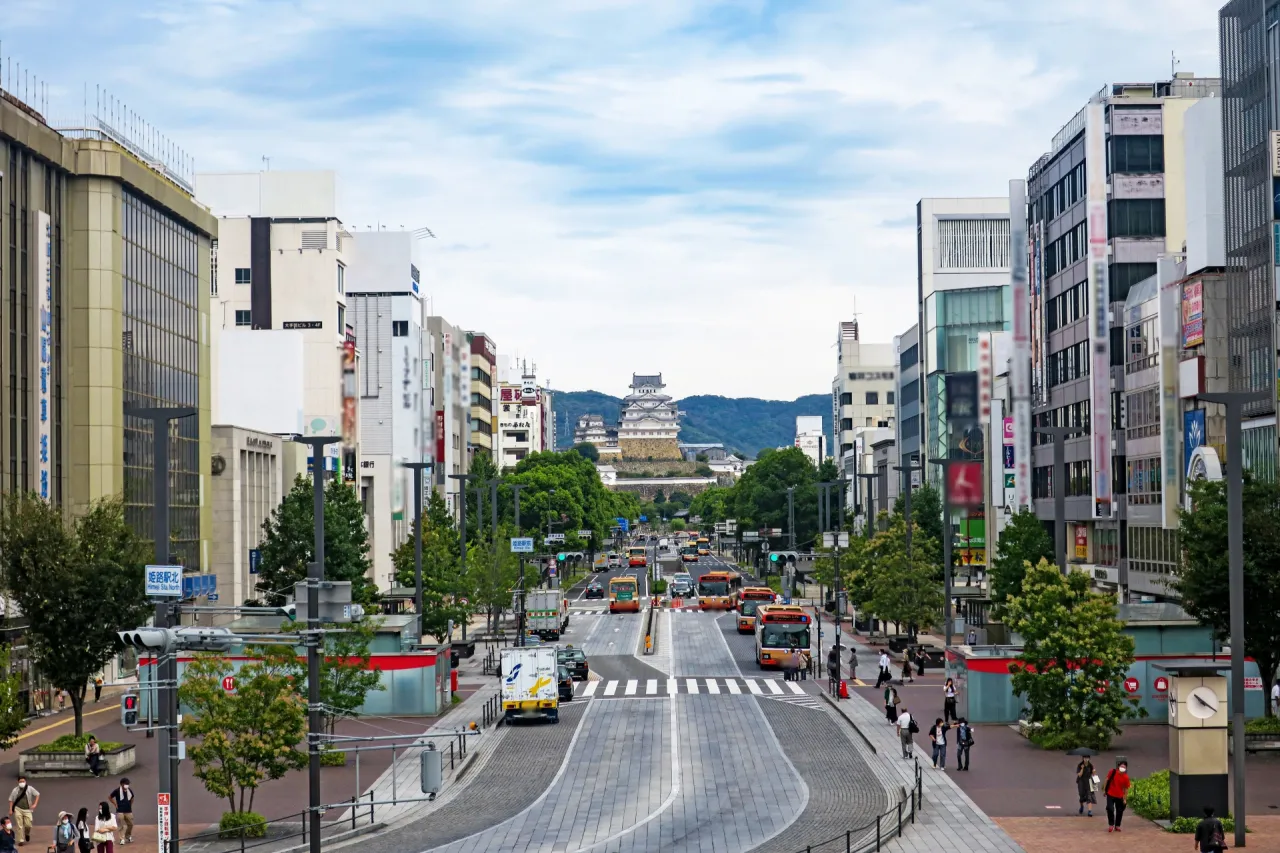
x,y
83,834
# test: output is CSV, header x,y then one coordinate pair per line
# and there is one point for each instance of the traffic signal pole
x,y
165,698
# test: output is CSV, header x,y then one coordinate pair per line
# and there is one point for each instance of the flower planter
x,y
45,765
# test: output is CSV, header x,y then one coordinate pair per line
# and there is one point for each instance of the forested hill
x,y
743,424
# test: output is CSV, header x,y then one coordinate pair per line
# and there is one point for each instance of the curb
x,y
832,702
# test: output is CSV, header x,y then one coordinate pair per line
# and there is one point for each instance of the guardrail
x,y
492,711
244,834
888,825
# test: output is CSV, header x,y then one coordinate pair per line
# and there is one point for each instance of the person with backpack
x,y
891,701
1117,790
964,741
1211,837
906,728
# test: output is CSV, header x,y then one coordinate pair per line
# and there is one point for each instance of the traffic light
x,y
169,640
129,710
152,639
780,559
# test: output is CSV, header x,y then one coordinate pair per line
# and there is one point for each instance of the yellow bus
x,y
780,630
749,600
718,590
638,556
704,547
624,595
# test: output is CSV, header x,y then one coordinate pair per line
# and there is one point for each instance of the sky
x,y
702,189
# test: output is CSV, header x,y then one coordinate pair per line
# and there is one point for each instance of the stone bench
x,y
45,765
1257,742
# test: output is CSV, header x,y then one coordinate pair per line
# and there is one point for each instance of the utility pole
x,y
824,524
1060,435
838,530
791,517
520,618
315,577
871,501
1234,402
907,470
493,534
166,697
462,537
418,468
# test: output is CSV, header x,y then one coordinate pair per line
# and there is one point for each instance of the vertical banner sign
x,y
984,377
995,453
1018,429
349,391
163,823
439,460
1010,454
1099,307
1170,324
44,353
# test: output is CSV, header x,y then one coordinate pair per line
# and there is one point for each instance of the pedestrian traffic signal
x,y
129,710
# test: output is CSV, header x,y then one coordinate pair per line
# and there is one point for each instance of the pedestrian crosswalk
x,y
768,688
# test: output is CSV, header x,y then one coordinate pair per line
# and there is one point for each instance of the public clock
x,y
1173,711
1203,702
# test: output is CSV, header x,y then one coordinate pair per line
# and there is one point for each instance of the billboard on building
x,y
44,353
1170,325
1099,307
1192,314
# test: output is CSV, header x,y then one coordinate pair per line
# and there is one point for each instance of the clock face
x,y
1203,702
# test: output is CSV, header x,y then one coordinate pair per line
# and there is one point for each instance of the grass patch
x,y
659,587
242,825
75,743
455,699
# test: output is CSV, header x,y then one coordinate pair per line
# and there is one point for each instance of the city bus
x,y
688,555
749,600
704,547
624,595
779,629
637,556
719,590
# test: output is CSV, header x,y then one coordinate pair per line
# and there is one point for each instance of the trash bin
x,y
453,681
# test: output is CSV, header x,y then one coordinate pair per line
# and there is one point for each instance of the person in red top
x,y
1117,791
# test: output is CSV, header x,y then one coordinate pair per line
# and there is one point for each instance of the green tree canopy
x,y
759,498
587,450
289,542
442,583
709,505
1204,584
13,710
78,584
1023,542
1074,661
677,524
897,588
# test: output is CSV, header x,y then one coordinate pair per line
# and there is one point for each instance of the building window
x,y
1138,155
973,243
888,398
873,398
342,279
243,276
910,357
1142,346
846,399
1135,217
342,320
1124,276
399,328
911,391
244,318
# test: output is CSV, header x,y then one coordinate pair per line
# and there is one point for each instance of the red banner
x,y
439,439
964,484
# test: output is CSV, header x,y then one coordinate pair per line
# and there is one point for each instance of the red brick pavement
x,y
1072,834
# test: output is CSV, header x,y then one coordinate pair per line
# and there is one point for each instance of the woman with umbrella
x,y
1086,779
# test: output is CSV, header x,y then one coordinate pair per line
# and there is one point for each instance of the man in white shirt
x,y
904,733
884,669
1275,697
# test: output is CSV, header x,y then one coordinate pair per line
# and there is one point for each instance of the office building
x,y
450,378
246,486
1127,152
811,438
909,418
520,427
863,402
282,343
484,368
386,308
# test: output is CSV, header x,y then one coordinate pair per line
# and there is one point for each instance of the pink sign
x,y
1008,430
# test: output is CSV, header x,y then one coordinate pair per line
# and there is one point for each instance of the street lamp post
x,y
1060,435
462,533
947,536
417,468
1234,402
871,500
166,611
907,470
791,517
315,577
520,618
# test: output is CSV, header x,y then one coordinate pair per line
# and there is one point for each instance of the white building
x,y
810,438
449,364
862,398
520,426
386,307
650,421
247,484
279,328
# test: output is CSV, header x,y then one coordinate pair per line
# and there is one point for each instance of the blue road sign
x,y
255,560
164,581
624,524
521,545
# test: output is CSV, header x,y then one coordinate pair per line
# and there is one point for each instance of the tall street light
x,y
315,577
418,468
1060,435
871,501
907,470
520,619
166,702
462,533
1234,402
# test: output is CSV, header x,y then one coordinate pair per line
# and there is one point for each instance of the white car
x,y
615,561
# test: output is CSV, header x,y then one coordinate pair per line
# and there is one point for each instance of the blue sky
x,y
699,188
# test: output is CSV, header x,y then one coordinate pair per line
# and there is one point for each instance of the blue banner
x,y
1192,436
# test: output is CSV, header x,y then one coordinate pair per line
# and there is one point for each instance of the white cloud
x,y
666,185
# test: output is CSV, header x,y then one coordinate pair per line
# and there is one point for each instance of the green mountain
x,y
743,424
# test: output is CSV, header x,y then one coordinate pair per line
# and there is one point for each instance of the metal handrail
x,y
900,815
357,815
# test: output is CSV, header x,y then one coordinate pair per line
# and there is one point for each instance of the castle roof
x,y
638,379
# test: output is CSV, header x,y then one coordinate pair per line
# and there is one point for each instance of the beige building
x,y
247,484
484,368
105,257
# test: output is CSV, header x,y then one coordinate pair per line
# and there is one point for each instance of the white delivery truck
x,y
529,684
546,613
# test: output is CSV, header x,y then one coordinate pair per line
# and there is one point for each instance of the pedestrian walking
x,y
884,669
949,701
97,689
7,835
906,728
833,669
964,742
122,799
1211,836
84,831
1086,785
938,737
22,806
891,701
853,663
93,756
104,829
64,834
1117,791
906,668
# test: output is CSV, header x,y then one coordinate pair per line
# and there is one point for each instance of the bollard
x,y
899,817
878,832
848,835
353,811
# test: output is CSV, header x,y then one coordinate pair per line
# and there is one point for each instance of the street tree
x,y
709,505
759,498
1204,582
441,582
677,524
1074,660
13,710
893,586
346,672
78,584
587,451
1023,542
491,577
244,737
289,542
482,470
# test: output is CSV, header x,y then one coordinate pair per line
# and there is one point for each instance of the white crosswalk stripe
x,y
733,686
764,687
